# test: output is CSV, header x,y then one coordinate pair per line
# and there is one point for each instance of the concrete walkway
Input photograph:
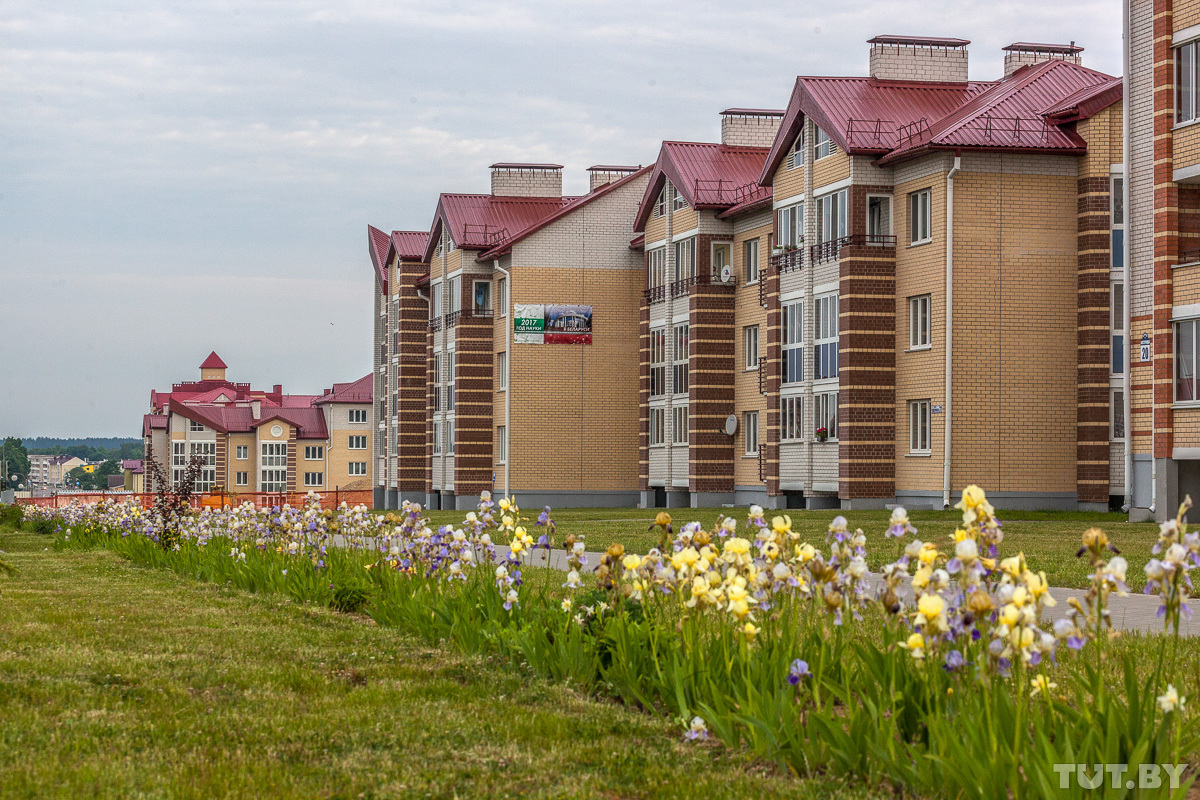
x,y
1134,612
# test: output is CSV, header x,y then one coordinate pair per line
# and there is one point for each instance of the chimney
x,y
1023,54
526,180
602,174
919,58
256,409
750,127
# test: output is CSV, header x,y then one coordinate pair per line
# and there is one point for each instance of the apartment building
x,y
261,441
48,471
1162,315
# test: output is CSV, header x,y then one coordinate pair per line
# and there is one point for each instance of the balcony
x,y
452,319
435,324
655,294
830,250
681,287
788,261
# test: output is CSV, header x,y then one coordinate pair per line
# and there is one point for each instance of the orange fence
x,y
208,499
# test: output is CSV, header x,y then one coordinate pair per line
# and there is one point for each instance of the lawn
x,y
1049,539
120,681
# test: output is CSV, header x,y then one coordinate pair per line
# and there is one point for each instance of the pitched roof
x,y
378,243
408,245
309,422
153,422
359,391
1086,102
570,208
482,221
134,465
708,175
213,362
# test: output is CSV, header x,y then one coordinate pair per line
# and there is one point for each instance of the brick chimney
x,y
919,58
602,174
526,180
750,127
1023,54
255,409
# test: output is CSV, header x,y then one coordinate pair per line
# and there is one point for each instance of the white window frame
x,y
920,322
241,478
195,427
791,320
1116,321
717,263
454,289
502,296
658,362
314,452
660,204
206,480
750,253
825,335
824,146
678,201
750,432
657,426
1116,415
833,216
450,358
1185,100
920,217
476,308
750,338
273,467
680,338
679,424
314,479
356,442
791,418
356,468
825,414
789,225
435,299
449,429
502,371
1193,328
501,444
795,158
242,452
437,437
886,219
920,424
685,258
1116,222
356,416
657,266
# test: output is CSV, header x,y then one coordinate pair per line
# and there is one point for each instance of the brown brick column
x,y
222,461
1166,236
413,328
291,460
774,377
473,400
1093,341
711,364
867,373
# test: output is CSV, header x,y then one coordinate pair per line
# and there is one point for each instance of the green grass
x,y
119,681
1049,539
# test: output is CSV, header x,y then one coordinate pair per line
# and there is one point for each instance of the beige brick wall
x,y
1187,285
894,62
339,455
788,182
830,169
684,220
249,465
656,229
744,131
1185,14
1103,135
527,182
1185,147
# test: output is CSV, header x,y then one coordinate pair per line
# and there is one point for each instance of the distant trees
x,y
90,449
15,461
97,479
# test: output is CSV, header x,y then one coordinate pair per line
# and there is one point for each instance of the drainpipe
x,y
949,327
1125,269
508,456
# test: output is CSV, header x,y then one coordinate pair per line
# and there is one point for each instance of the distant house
x,y
47,471
133,476
116,482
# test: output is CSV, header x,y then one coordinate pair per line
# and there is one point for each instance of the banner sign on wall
x,y
537,323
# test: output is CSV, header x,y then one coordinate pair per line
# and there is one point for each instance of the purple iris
x,y
954,661
798,670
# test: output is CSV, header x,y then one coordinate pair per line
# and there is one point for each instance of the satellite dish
x,y
731,424
726,274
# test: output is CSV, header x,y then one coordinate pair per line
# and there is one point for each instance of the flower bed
x,y
946,681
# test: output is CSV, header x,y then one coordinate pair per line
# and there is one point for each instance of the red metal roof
x,y
753,112
927,41
408,245
522,165
612,168
359,391
638,242
1034,47
153,422
213,362
378,243
482,221
570,208
1085,102
309,422
1009,114
708,175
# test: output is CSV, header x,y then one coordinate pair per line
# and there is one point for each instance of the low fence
x,y
207,499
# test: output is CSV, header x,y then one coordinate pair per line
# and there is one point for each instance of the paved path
x,y
1134,612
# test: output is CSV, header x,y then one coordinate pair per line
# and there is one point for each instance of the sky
x,y
177,178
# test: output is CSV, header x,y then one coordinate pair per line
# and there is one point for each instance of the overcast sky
x,y
182,177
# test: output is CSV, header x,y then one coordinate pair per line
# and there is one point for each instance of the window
x,y
502,444
679,424
791,414
273,476
358,415
825,348
750,256
825,406
920,226
501,371
879,215
454,289
482,295
750,432
178,461
1185,82
315,452
243,452
437,382
679,202
194,427
207,453
1116,406
792,322
750,337
502,296
1116,222
1185,361
722,257
315,478
660,205
242,479
356,468
656,426
357,443
450,380
685,259
796,154
1117,323
658,360
657,261
918,426
832,217
435,301
449,429
437,438
679,367
825,146
918,322
789,226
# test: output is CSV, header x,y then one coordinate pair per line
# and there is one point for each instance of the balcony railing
x,y
452,319
788,261
680,287
655,294
826,251
435,324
